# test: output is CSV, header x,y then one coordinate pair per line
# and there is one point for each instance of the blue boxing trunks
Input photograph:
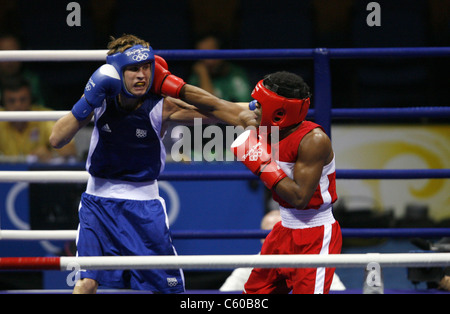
x,y
121,227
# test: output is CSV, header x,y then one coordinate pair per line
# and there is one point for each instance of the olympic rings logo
x,y
140,57
88,85
254,153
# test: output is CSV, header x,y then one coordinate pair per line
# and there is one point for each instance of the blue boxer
x,y
121,212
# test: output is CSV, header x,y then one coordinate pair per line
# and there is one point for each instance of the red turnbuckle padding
x,y
41,263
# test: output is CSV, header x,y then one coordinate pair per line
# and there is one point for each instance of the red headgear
x,y
278,110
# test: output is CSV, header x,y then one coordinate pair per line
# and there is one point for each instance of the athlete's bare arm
x,y
226,111
66,128
314,152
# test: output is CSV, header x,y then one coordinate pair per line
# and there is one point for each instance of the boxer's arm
x,y
167,84
65,129
228,112
314,153
176,110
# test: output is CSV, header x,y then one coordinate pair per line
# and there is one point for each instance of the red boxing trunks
x,y
324,240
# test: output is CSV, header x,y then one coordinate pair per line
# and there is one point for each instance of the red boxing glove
x,y
253,151
164,82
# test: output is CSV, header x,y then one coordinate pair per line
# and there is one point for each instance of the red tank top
x,y
325,193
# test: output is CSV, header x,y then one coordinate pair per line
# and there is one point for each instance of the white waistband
x,y
122,189
306,218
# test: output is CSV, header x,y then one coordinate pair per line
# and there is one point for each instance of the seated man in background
x,y
10,70
22,141
221,78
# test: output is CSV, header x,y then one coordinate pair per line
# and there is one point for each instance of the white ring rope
x,y
262,261
53,55
226,261
32,115
44,176
38,235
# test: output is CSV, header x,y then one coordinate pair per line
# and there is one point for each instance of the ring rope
x,y
368,113
392,113
225,261
53,55
32,115
75,176
68,235
194,54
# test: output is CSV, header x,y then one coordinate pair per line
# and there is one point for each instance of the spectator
x,y
26,140
12,69
219,77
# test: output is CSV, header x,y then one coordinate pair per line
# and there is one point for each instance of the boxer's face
x,y
137,78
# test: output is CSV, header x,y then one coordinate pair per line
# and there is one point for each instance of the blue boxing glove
x,y
252,105
105,82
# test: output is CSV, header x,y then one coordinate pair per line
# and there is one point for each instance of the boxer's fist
x,y
247,118
252,105
164,82
253,151
105,82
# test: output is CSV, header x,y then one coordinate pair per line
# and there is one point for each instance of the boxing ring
x,y
322,114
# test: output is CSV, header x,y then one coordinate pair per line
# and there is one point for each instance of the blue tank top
x,y
126,145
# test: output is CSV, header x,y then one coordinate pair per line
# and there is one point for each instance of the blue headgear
x,y
135,55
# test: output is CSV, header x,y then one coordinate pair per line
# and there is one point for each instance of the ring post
x,y
322,89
